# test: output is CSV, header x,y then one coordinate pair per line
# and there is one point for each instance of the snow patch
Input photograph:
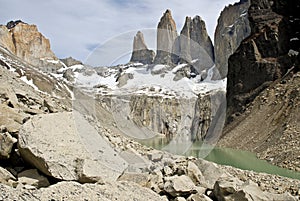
x,y
179,67
30,82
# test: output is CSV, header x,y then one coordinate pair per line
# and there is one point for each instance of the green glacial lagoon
x,y
225,156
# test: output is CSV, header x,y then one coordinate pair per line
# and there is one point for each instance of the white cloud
x,y
75,27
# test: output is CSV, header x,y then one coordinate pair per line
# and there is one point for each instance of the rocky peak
x,y
26,42
139,42
166,36
195,43
232,28
70,61
141,53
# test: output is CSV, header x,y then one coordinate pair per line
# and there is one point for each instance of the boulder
x,y
166,36
33,178
198,197
194,173
179,185
122,191
6,177
65,146
141,53
69,75
155,155
6,144
138,178
11,118
235,189
210,171
156,182
123,78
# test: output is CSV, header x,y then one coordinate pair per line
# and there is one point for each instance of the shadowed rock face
x,y
141,53
233,27
266,55
166,36
26,42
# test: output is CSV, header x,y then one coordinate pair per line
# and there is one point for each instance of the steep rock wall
x,y
264,56
232,28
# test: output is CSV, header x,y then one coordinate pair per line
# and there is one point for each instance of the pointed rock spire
x,y
166,36
194,40
141,53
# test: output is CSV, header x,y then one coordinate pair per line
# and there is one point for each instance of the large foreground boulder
x,y
121,191
65,146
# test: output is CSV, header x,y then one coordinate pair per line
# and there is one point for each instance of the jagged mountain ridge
x,y
192,44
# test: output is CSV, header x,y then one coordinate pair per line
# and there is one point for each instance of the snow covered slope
x,y
136,78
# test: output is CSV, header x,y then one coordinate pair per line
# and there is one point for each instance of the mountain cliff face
x,y
266,55
232,28
141,53
263,85
26,42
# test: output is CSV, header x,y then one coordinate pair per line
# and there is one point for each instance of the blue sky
x,y
76,27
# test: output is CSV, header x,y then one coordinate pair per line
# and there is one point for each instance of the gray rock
x,y
155,155
6,177
233,27
194,173
168,171
67,147
180,199
123,78
141,53
11,118
70,61
235,189
196,44
198,197
156,182
166,36
210,171
33,178
138,178
6,144
69,75
74,191
179,185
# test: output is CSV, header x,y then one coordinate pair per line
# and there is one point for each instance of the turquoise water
x,y
225,156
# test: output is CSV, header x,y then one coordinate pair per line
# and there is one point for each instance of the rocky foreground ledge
x,y
107,166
